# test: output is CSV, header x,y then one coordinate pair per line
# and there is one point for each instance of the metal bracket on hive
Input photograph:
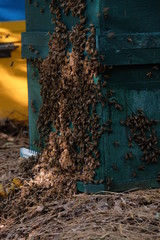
x,y
26,153
6,48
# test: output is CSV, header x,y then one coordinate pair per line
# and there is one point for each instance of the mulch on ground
x,y
39,215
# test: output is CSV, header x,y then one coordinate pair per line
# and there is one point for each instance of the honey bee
x,y
134,174
129,39
31,48
7,36
109,182
33,106
42,10
126,156
11,64
111,35
149,74
118,106
106,12
130,155
122,122
116,144
36,52
156,68
142,167
36,4
114,166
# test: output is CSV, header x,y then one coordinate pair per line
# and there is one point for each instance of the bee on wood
x,y
134,174
116,144
36,4
149,74
129,39
156,68
108,183
106,12
111,35
33,106
114,167
142,168
31,48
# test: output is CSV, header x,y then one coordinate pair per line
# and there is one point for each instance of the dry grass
x,y
130,216
111,216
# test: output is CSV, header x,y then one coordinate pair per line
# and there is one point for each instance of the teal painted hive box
x,y
129,40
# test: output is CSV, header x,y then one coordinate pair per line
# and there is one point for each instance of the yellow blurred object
x,y
17,182
13,74
10,189
2,191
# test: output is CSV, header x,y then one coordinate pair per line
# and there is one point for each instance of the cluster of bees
x,y
71,90
143,133
76,8
70,95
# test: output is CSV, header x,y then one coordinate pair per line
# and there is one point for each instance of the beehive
x,y
127,39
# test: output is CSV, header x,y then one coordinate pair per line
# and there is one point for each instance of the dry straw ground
x,y
114,216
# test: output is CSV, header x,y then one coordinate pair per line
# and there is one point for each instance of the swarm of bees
x,y
68,122
70,95
143,133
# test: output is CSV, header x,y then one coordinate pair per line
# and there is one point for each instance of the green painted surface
x,y
132,50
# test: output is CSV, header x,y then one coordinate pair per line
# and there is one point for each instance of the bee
x,y
36,52
107,76
101,181
36,4
116,144
111,35
158,177
129,39
42,10
140,111
118,106
11,64
122,122
106,12
156,68
31,48
130,155
134,174
101,57
33,106
83,20
126,156
115,168
142,167
96,182
149,74
7,36
109,182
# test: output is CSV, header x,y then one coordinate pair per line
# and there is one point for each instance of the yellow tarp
x,y
13,74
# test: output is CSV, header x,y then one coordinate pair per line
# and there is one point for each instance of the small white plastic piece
x,y
26,153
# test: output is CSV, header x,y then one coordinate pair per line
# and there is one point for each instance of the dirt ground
x,y
112,216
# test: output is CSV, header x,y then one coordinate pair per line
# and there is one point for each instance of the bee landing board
x,y
127,38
